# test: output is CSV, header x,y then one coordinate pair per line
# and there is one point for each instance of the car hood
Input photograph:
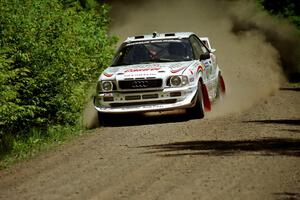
x,y
153,70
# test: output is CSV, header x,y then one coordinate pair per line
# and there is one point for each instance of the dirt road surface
x,y
248,147
250,155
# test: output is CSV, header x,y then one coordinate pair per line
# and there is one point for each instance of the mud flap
x,y
222,82
206,101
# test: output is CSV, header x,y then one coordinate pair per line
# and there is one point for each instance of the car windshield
x,y
154,51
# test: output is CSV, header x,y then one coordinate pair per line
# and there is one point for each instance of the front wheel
x,y
102,118
197,111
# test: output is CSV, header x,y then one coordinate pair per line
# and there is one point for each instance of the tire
x,y
197,111
102,119
220,88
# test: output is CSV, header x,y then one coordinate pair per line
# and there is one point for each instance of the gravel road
x,y
250,155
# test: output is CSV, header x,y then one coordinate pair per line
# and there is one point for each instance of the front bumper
x,y
118,102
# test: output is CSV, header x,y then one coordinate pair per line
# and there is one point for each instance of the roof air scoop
x,y
169,34
139,37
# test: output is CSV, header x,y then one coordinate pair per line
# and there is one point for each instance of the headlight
x,y
107,86
177,81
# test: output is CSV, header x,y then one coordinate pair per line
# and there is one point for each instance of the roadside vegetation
x,y
51,52
289,9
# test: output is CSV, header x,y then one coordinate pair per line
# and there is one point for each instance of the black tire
x,y
102,119
197,111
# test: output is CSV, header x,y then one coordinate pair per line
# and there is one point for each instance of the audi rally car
x,y
161,72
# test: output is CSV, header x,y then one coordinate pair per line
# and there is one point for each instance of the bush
x,y
50,51
289,9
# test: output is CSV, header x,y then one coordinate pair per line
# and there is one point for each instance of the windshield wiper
x,y
120,64
146,62
159,60
163,60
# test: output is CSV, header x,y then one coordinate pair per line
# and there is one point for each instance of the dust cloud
x,y
90,116
251,46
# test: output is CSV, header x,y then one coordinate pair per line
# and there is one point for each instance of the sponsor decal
x,y
142,69
213,57
207,63
139,75
191,71
200,68
108,75
175,69
152,41
108,94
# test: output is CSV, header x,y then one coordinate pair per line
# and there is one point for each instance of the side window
x,y
198,47
205,43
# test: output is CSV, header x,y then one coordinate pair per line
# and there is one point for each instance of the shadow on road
x,y
295,122
296,89
291,130
287,196
265,147
142,119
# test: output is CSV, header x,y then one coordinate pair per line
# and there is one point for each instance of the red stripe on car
x,y
177,70
200,68
108,75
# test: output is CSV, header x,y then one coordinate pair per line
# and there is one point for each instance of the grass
x,y
295,84
39,140
36,141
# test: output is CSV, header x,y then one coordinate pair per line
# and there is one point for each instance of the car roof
x,y
159,36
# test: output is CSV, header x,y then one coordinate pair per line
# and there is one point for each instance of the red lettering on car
x,y
142,69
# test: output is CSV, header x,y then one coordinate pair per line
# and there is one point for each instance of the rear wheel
x,y
197,111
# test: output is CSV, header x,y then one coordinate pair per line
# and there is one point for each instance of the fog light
x,y
184,80
175,94
108,98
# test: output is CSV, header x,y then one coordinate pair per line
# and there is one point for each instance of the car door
x,y
209,64
214,74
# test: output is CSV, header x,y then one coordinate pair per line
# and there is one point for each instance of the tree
x,y
50,51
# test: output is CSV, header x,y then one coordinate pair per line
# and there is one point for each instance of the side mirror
x,y
213,50
205,56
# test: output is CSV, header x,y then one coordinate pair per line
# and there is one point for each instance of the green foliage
x,y
50,51
36,140
289,9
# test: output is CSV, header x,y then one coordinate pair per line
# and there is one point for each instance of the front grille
x,y
140,84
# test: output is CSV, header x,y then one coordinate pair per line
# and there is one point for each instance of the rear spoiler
x,y
206,42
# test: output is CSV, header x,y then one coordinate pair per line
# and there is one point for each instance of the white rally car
x,y
161,72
